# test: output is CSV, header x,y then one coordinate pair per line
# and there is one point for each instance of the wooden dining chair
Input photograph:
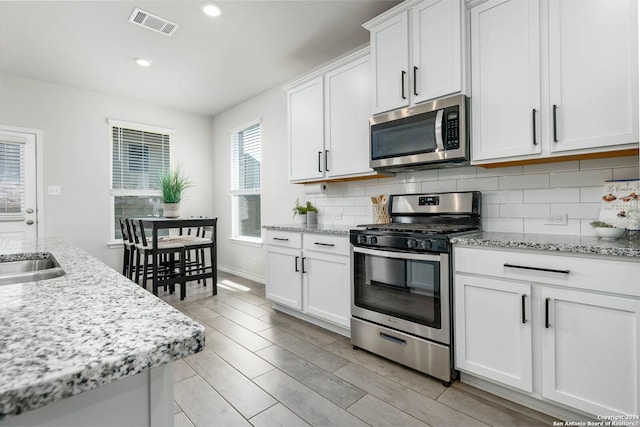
x,y
129,248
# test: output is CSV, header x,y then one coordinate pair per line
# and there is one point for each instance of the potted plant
x,y
305,212
173,182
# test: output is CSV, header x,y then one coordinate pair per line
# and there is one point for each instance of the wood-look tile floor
x,y
265,368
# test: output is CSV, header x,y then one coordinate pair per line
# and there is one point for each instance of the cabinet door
x,y
593,49
284,281
390,64
505,79
437,49
348,108
327,287
590,351
493,330
306,127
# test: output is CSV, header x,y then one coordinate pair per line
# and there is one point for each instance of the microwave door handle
x,y
439,131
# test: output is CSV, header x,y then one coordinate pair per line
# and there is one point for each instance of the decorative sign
x,y
620,202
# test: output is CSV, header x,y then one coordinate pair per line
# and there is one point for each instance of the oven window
x,y
403,137
406,289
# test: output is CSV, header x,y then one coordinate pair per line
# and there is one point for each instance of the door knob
x,y
30,222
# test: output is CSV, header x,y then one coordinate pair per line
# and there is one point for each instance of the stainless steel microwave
x,y
433,134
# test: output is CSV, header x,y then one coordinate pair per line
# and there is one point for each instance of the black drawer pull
x,y
303,270
555,123
392,339
324,244
281,239
535,141
402,79
548,270
296,264
524,316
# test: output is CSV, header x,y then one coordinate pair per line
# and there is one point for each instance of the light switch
x,y
54,190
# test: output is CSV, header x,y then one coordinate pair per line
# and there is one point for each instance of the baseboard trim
x,y
242,273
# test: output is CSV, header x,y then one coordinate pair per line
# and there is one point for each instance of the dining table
x,y
176,227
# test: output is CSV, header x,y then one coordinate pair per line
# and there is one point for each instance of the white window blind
x,y
139,158
12,180
246,159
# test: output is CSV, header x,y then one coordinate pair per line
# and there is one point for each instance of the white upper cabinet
x,y
329,113
593,78
306,130
553,78
416,53
505,90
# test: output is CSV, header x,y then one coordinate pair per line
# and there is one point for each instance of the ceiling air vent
x,y
153,22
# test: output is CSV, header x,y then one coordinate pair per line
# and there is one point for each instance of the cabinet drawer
x,y
289,239
588,273
333,244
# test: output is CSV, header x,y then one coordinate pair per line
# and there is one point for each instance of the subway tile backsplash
x,y
515,199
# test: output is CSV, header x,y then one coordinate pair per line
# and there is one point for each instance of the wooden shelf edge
x,y
587,156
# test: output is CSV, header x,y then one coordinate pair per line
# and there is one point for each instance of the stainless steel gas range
x,y
401,303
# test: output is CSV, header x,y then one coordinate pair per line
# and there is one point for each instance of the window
x,y
12,184
139,155
246,183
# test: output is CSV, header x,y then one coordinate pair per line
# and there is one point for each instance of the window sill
x,y
256,243
114,244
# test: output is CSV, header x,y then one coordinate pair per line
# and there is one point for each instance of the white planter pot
x,y
171,210
312,218
302,219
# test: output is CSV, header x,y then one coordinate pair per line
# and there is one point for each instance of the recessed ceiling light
x,y
143,62
211,9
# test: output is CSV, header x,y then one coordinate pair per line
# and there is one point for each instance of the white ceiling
x,y
207,66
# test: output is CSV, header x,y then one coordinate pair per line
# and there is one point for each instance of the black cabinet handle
x,y
524,316
319,161
404,73
548,270
555,123
296,264
326,160
535,139
546,313
415,81
281,239
303,270
324,244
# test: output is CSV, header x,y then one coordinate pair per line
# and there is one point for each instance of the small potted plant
x,y
173,183
607,231
307,213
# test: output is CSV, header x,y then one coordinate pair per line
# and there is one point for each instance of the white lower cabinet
x,y
310,273
559,334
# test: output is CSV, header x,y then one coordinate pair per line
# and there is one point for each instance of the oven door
x,y
401,290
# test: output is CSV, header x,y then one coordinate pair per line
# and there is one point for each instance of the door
x,y
17,185
284,281
593,79
306,131
590,351
437,50
348,108
493,330
327,292
505,79
390,62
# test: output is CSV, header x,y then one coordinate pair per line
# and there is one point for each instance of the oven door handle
x,y
399,255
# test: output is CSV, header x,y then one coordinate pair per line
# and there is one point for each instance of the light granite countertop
x,y
318,229
622,247
63,336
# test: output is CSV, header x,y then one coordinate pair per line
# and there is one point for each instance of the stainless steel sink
x,y
34,267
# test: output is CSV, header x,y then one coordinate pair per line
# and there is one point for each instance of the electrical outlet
x,y
337,216
556,219
54,190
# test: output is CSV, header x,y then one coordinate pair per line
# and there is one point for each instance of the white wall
x,y
278,196
76,155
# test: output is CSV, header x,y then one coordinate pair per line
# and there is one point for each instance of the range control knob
x,y
412,243
373,240
361,239
427,244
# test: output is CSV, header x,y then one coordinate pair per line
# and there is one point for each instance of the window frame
x,y
235,226
112,241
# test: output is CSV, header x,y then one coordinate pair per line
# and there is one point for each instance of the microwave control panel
x,y
452,124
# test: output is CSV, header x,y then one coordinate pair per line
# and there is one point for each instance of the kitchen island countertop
x,y
341,230
622,247
67,335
